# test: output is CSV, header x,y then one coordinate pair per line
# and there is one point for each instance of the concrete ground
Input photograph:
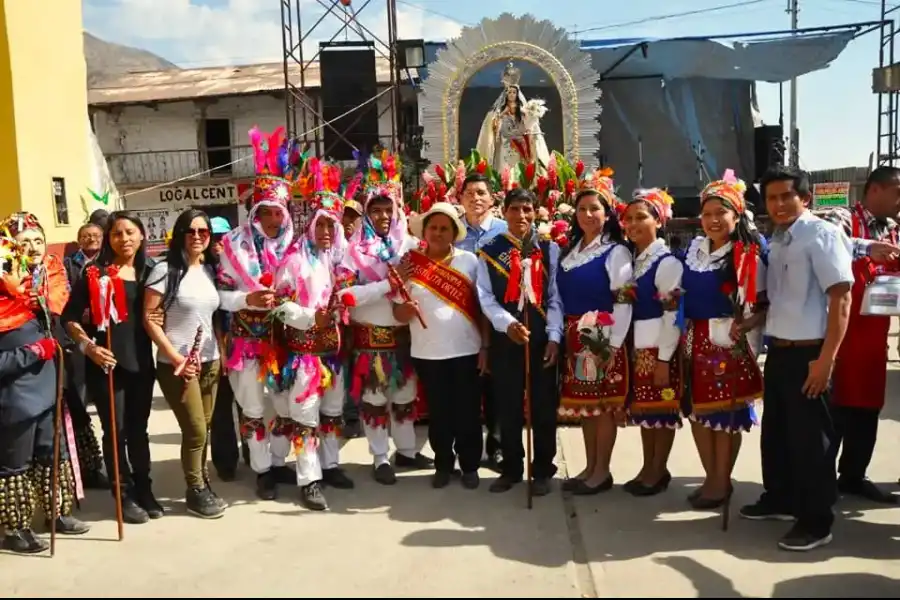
x,y
412,541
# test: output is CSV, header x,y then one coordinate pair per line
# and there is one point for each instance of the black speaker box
x,y
347,81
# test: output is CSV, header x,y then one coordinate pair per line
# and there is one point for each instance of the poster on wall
x,y
157,222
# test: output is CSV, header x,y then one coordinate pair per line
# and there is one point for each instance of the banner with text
x,y
835,193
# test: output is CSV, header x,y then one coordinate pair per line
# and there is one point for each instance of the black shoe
x,y
218,499
95,480
266,486
145,498
245,453
419,461
504,483
864,488
352,429
201,502
541,486
132,512
336,478
800,540
639,489
284,475
312,497
23,541
384,474
226,475
763,511
69,525
470,480
440,479
581,488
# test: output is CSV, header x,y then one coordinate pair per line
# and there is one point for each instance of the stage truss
x,y
303,116
502,39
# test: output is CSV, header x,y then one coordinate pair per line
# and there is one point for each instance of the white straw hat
x,y
417,223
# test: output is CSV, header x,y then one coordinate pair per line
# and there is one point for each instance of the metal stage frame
x,y
303,114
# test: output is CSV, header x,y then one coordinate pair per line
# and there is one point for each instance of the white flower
x,y
565,209
543,214
544,229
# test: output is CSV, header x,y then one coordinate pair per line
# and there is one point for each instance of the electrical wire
x,y
666,17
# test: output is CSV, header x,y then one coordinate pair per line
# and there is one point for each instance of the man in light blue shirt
x,y
808,287
477,199
515,324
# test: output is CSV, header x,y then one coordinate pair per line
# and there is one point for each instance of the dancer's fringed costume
x,y
28,392
253,261
310,383
381,373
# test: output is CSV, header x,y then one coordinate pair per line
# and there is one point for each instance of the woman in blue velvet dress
x,y
593,268
724,304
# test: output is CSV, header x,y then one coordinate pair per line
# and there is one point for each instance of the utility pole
x,y
793,137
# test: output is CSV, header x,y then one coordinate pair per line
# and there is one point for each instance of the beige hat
x,y
417,223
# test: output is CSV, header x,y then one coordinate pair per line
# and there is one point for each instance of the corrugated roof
x,y
186,84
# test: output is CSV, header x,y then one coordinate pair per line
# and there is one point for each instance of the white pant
x,y
374,419
266,450
316,442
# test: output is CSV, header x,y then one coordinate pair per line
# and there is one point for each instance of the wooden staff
x,y
397,282
54,484
114,434
528,436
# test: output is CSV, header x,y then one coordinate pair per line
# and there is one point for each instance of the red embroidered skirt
x,y
650,406
718,377
582,395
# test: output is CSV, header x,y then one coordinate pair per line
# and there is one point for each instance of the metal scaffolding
x,y
888,110
303,109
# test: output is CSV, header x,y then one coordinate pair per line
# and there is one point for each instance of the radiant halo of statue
x,y
506,39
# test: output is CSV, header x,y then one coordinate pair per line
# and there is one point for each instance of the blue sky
x,y
837,113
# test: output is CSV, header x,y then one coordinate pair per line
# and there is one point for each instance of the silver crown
x,y
511,75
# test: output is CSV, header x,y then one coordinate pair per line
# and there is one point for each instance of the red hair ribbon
x,y
537,279
746,261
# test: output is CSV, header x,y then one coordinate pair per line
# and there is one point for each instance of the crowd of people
x,y
333,307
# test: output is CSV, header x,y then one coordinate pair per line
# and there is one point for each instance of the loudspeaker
x,y
348,80
768,143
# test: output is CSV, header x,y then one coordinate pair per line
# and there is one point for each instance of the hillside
x,y
105,59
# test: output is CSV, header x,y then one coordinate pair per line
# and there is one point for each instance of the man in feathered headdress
x,y
311,379
34,290
253,277
381,374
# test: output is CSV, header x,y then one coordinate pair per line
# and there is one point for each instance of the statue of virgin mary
x,y
511,131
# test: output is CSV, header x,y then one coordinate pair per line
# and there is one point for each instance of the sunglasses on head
x,y
202,233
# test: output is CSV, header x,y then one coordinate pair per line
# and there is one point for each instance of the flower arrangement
x,y
627,294
593,333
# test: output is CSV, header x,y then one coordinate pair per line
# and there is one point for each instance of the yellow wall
x,y
43,101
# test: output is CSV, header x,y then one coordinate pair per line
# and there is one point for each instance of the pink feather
x,y
353,187
729,176
274,146
259,153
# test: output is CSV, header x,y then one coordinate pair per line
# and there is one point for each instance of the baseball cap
x,y
220,225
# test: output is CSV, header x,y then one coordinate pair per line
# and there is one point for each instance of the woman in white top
x,y
188,359
656,384
448,353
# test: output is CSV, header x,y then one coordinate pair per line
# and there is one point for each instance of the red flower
x,y
559,227
579,169
266,280
728,288
604,319
481,167
348,300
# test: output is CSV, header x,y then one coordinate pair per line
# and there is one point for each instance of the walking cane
x,y
57,428
114,434
528,437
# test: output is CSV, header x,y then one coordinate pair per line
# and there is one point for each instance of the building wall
x,y
159,143
42,79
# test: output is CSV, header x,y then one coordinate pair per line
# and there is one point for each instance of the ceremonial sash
x,y
445,282
501,263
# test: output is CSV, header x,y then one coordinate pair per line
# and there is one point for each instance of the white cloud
x,y
237,31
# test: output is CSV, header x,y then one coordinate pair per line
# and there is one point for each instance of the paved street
x,y
409,540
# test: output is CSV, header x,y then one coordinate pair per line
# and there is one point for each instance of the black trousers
x,y
28,441
507,362
796,441
492,439
133,396
856,431
223,437
453,390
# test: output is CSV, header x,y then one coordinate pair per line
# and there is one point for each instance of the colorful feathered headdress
x,y
658,198
18,222
601,181
382,178
320,187
729,189
272,156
